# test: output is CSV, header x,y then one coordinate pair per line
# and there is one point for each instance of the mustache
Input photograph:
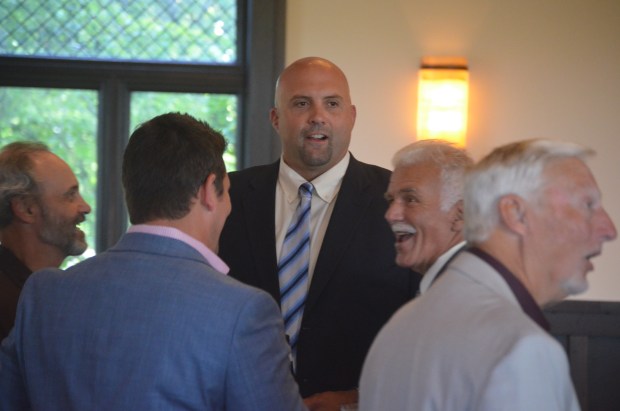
x,y
403,227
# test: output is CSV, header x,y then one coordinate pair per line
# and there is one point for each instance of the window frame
x,y
260,55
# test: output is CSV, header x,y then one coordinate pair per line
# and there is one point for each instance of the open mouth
x,y
317,137
400,237
592,255
78,223
589,258
403,232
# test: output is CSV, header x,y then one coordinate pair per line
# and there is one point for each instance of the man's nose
x,y
608,228
317,115
84,207
394,212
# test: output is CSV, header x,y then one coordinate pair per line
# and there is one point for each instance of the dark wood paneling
x,y
590,333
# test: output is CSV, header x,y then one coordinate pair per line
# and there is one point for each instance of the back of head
x,y
165,162
515,168
450,159
16,175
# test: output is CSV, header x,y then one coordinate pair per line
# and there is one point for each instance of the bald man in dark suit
x,y
353,285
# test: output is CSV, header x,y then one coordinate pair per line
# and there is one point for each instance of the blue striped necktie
x,y
293,267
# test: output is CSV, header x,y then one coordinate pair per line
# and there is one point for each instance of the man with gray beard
x,y
40,208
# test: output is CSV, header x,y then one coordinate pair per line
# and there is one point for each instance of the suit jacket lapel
x,y
348,213
259,209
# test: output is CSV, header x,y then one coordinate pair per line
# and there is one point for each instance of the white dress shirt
x,y
435,269
326,188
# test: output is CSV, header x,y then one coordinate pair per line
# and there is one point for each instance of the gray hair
x,y
515,168
450,159
16,179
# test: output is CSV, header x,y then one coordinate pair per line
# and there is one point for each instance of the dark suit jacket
x,y
356,285
13,275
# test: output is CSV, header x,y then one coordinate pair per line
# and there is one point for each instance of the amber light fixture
x,y
443,93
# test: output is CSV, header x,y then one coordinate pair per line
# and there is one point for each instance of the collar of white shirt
x,y
436,268
326,185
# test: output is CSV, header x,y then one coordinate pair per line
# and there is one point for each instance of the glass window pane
x,y
154,30
65,120
219,110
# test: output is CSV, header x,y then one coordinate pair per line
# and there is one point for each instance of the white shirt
x,y
326,188
432,272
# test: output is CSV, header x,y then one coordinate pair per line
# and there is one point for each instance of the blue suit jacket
x,y
356,285
147,325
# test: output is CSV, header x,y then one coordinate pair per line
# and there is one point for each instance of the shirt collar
x,y
433,272
171,232
525,299
326,185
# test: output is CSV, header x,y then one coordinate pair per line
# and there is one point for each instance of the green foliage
x,y
65,120
219,110
159,30
162,30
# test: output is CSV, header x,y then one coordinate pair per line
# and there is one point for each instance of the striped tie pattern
x,y
293,267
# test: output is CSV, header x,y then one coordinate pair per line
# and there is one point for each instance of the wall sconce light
x,y
443,91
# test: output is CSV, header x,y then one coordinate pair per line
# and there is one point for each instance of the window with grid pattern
x,y
80,75
157,30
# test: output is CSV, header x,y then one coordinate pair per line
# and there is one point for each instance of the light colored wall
x,y
538,68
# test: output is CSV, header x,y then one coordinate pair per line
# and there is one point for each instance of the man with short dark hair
x,y
40,210
154,322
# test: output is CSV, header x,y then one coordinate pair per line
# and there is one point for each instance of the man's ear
x,y
207,193
457,216
513,213
24,208
275,118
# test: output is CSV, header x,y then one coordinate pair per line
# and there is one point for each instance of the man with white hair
x,y
477,339
425,198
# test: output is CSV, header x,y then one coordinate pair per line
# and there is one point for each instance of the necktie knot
x,y
305,191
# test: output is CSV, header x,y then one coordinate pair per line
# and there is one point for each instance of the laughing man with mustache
x,y
425,198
